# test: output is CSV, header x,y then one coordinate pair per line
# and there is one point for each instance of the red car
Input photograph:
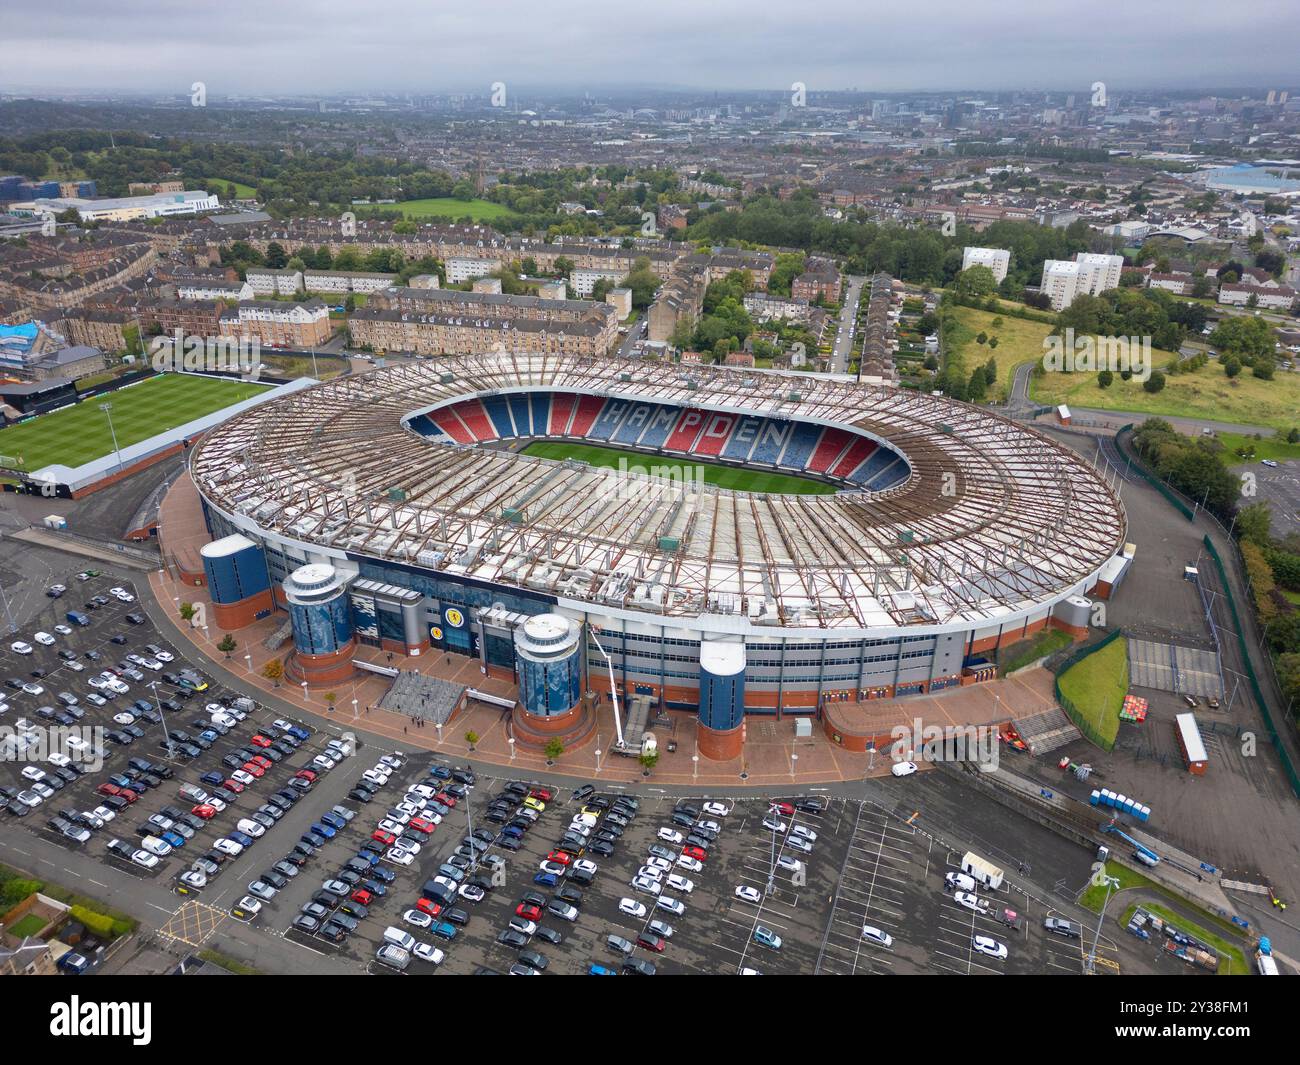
x,y
261,760
429,906
783,808
650,941
253,769
420,825
108,789
306,774
128,795
260,741
528,911
445,799
380,836
544,794
204,811
698,853
233,785
362,896
563,857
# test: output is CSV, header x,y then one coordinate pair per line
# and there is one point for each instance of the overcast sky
x,y
327,46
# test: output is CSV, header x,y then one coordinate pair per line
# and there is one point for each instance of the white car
x,y
164,656
32,772
650,872
417,918
76,667
122,595
691,865
227,846
92,820
31,688
392,760
20,648
216,804
804,833
748,894
124,718
554,868
903,769
470,892
989,946
44,639
874,935
655,862
157,846
717,809
709,826
563,910
399,857
61,760
632,908
660,928
423,790
410,809
644,883
104,813
144,859
680,883
389,825
152,663
971,902
243,777
789,864
250,827
428,952
323,762
674,906
586,866
775,824
30,799
62,630
192,878
224,720
799,844
669,836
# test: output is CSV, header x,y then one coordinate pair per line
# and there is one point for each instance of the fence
x,y
1283,755
1075,715
1139,467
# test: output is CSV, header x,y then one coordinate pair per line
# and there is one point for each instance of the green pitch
x,y
446,207
729,477
77,435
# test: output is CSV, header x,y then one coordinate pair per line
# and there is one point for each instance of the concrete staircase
x,y
1046,730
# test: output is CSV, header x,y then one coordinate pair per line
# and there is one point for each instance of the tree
x,y
276,256
1105,378
227,645
273,671
649,760
1293,437
553,750
188,610
981,338
1232,366
1254,524
471,737
1263,368
330,699
974,282
1154,383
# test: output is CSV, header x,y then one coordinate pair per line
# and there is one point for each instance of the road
x,y
847,331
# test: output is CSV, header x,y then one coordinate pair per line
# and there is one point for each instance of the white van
x,y
959,882
393,956
398,938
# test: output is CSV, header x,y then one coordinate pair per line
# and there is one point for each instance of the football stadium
x,y
402,509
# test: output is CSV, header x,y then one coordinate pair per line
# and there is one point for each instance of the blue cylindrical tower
x,y
549,663
322,618
722,698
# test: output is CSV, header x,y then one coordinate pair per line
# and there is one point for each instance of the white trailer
x,y
984,872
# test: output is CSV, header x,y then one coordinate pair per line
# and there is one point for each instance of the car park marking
x,y
193,923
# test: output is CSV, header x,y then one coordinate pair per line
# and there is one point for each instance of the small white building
x,y
584,279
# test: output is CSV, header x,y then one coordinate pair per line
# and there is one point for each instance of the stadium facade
x,y
951,532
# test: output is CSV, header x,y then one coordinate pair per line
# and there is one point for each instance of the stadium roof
x,y
993,519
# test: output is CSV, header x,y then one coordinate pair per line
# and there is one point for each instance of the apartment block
x,y
997,260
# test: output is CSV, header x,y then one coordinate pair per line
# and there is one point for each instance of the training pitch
x,y
76,435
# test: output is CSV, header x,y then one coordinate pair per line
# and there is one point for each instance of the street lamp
x,y
695,767
161,716
354,709
511,740
794,759
1111,884
249,660
107,408
305,697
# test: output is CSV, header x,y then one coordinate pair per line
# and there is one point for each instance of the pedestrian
x,y
403,730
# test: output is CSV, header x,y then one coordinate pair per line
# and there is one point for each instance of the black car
x,y
584,791
512,938
581,877
533,959
135,619
118,639
508,843
533,898
361,794
682,820
570,894
601,848
169,678
548,935
274,879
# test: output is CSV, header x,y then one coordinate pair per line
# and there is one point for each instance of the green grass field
x,y
446,207
1097,686
218,186
1271,447
727,477
78,434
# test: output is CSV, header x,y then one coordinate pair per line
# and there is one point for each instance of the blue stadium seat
x,y
499,414
800,448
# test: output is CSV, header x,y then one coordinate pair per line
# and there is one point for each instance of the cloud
x,y
328,46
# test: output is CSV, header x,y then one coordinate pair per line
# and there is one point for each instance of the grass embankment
x,y
1097,684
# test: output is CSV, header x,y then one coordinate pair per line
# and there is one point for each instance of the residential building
x,y
279,324
997,260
